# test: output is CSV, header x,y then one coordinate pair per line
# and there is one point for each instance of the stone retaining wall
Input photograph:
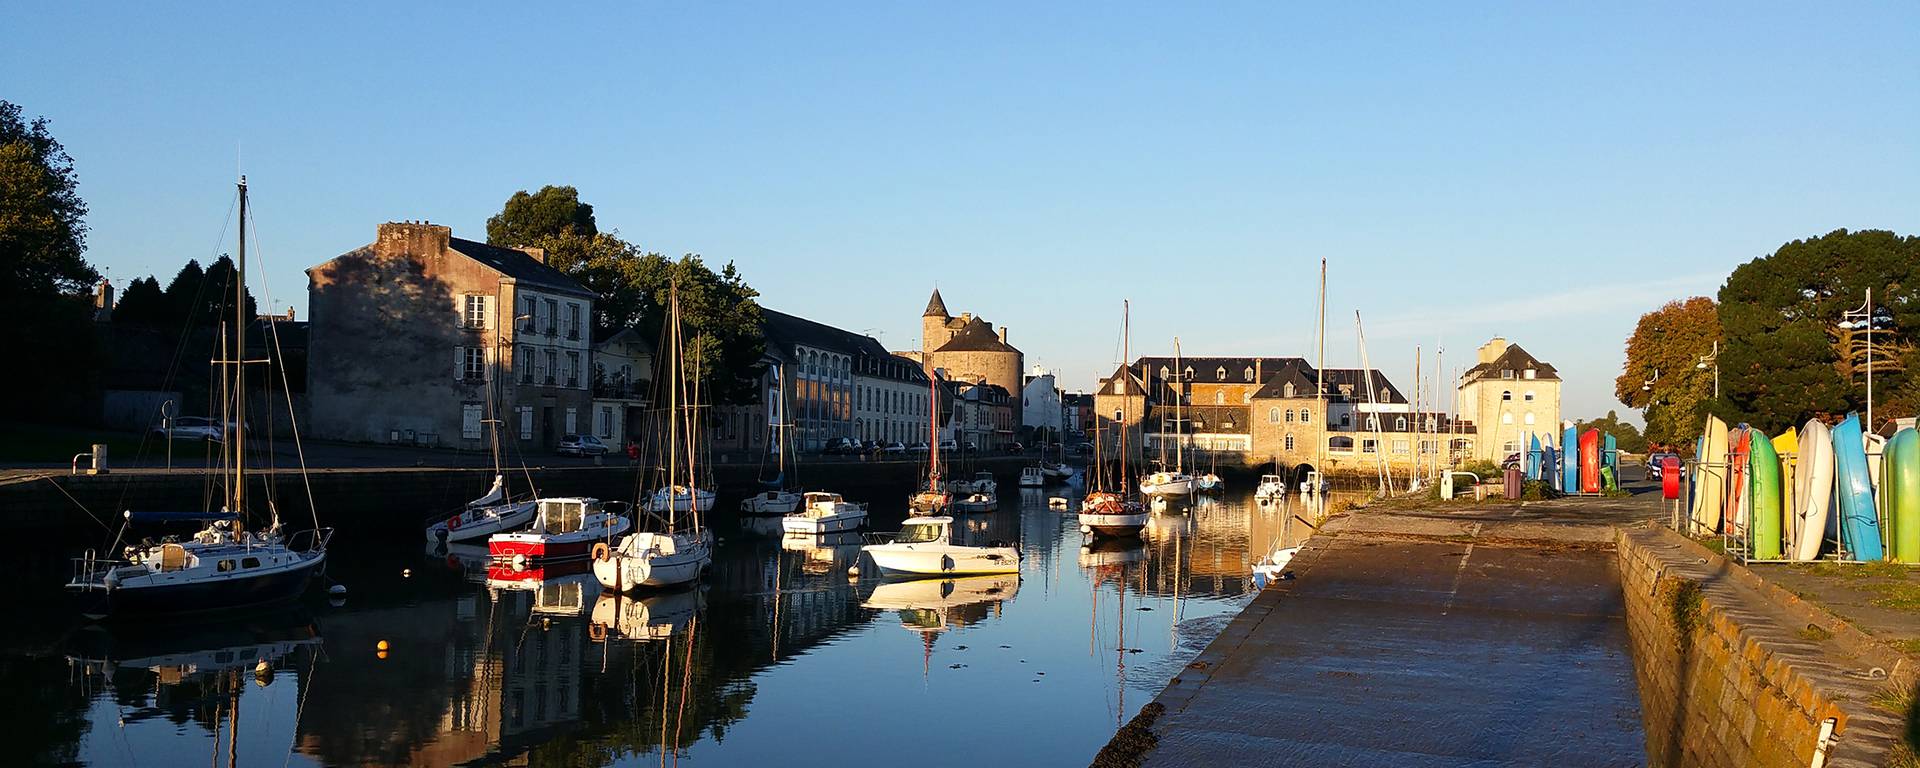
x,y
1733,676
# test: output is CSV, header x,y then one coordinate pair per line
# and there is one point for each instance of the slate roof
x,y
975,337
1514,359
1216,370
935,306
783,331
524,269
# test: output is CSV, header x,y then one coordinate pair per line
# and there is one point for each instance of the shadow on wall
x,y
382,342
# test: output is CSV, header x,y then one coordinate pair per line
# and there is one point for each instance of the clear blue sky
x,y
1535,170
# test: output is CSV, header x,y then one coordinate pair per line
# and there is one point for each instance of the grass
x,y
1899,595
1908,646
1815,633
1894,699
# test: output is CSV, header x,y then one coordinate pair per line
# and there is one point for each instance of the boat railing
x,y
90,570
310,540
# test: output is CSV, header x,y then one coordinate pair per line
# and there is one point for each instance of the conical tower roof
x,y
936,307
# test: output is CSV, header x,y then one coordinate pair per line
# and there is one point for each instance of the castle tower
x,y
933,324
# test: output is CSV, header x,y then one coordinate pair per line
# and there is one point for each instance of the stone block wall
x,y
1730,677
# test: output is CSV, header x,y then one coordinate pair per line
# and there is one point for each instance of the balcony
x,y
620,391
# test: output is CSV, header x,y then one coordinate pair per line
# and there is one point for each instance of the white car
x,y
581,445
190,428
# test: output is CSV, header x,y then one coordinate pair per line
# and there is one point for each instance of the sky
x,y
1540,171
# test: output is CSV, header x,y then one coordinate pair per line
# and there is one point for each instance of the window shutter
x,y
459,363
486,308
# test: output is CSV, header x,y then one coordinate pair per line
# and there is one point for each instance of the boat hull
x,y
1859,520
1121,524
1170,488
626,573
1763,496
944,561
528,547
277,586
473,525
1900,484
770,503
822,525
1812,490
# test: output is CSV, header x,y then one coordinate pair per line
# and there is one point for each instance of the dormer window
x,y
1164,372
1288,390
1530,373
1220,373
1187,375
1400,424
1247,374
1506,373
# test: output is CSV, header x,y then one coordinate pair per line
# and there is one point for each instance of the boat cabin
x,y
820,497
983,476
924,530
565,515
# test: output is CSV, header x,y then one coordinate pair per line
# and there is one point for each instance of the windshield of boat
x,y
562,516
919,534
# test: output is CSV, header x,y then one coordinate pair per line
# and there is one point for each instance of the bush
x,y
1488,471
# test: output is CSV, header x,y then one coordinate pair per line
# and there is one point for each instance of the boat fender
x,y
337,590
601,551
453,523
597,632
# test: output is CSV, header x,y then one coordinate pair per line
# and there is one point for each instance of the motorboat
x,y
924,547
982,482
825,513
1032,477
1165,483
1055,470
976,502
564,527
484,516
1209,483
771,502
1271,488
1107,514
681,498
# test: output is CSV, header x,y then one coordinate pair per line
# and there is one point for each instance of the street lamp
x,y
1856,319
1713,359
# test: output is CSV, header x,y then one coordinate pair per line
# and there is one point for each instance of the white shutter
x,y
459,363
486,308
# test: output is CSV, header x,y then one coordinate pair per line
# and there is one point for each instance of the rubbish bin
x,y
1512,490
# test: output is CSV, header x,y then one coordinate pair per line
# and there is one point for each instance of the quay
x,y
1571,632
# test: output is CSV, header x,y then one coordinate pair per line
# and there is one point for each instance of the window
x,y
1273,415
606,421
1118,417
1400,446
476,311
1506,373
530,314
1346,419
1506,418
1289,442
1164,372
1343,444
470,421
1530,373
1369,445
1373,422
524,359
526,422
553,316
249,562
1305,416
1219,398
572,420
573,320
1287,391
1506,395
1400,424
473,363
1220,373
573,369
1529,417
1289,417
1529,396
552,368
225,566
1247,374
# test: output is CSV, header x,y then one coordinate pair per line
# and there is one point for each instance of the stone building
x,y
623,365
408,332
1509,394
968,348
1077,412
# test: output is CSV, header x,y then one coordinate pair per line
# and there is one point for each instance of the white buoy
x,y
1086,529
338,590
853,571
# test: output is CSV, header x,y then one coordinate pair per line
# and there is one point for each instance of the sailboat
x,y
1210,482
491,513
1177,482
224,565
681,552
1109,513
933,498
778,498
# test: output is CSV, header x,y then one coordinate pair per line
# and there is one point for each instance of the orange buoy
x,y
601,552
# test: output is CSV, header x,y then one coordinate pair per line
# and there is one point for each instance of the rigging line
x,y
301,708
76,502
293,420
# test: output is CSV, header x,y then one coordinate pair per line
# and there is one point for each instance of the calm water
x,y
779,657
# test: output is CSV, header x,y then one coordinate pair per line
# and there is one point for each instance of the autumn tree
x,y
1788,356
1626,436
1660,376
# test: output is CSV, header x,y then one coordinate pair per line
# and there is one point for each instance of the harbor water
x,y
437,658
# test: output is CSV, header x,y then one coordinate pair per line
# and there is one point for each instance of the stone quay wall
x,y
1738,673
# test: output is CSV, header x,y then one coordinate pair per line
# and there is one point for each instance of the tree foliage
x,y
1626,436
1787,356
43,230
194,297
142,303
551,212
1669,342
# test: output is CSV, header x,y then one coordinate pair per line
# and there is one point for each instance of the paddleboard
x,y
1739,501
1533,458
1712,485
1610,456
1859,521
1590,461
1900,485
1763,496
1812,490
1569,466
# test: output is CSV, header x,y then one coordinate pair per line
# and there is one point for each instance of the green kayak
x,y
1763,477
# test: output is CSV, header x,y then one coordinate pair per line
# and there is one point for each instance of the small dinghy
x,y
484,517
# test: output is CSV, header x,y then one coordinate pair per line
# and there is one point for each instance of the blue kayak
x,y
1859,521
1569,464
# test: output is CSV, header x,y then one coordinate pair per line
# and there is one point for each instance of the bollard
x,y
1512,485
99,458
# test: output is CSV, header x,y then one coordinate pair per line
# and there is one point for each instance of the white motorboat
x,y
563,528
976,502
775,502
825,513
1055,470
484,516
1107,514
982,482
1167,484
680,498
1271,488
924,547
1032,477
650,559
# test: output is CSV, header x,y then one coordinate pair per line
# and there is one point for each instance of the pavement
x,y
1425,634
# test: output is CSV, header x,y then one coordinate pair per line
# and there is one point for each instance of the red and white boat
x,y
564,528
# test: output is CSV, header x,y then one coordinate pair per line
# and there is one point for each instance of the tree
x,y
197,297
1660,376
143,303
183,294
1625,436
551,212
1787,357
43,232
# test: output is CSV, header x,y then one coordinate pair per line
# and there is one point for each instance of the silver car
x,y
190,428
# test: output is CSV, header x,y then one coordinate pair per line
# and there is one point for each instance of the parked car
x,y
581,445
1512,461
190,428
949,446
1655,461
894,449
840,446
920,448
1015,448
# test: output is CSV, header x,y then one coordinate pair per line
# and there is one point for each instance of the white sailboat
x,y
924,547
1175,482
778,498
1108,513
680,553
224,565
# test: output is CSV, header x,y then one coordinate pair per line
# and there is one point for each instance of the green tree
x,y
1788,357
1660,376
1626,436
551,212
199,297
142,303
183,294
43,230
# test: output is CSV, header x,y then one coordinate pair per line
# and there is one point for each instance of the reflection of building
x,y
1509,394
406,333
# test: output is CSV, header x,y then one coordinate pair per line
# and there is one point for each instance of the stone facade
x,y
968,348
1509,394
411,333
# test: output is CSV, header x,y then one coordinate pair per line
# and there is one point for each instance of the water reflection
x,y
440,658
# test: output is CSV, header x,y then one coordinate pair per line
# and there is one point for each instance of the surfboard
x,y
1533,458
1812,489
1549,464
1900,485
1712,485
1569,467
1739,500
1763,496
1859,521
1590,461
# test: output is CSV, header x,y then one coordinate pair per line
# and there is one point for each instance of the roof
x,y
935,306
1383,390
519,265
1514,359
975,336
1215,370
1132,379
1273,373
783,332
627,336
1294,371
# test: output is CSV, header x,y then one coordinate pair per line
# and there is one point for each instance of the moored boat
x,y
825,513
924,547
1271,488
484,517
563,528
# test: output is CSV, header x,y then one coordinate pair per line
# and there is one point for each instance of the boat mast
x,y
1320,374
933,427
1126,386
1179,394
674,367
239,368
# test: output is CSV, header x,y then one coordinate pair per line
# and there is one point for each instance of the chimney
x,y
1493,349
103,302
413,238
1003,334
538,254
